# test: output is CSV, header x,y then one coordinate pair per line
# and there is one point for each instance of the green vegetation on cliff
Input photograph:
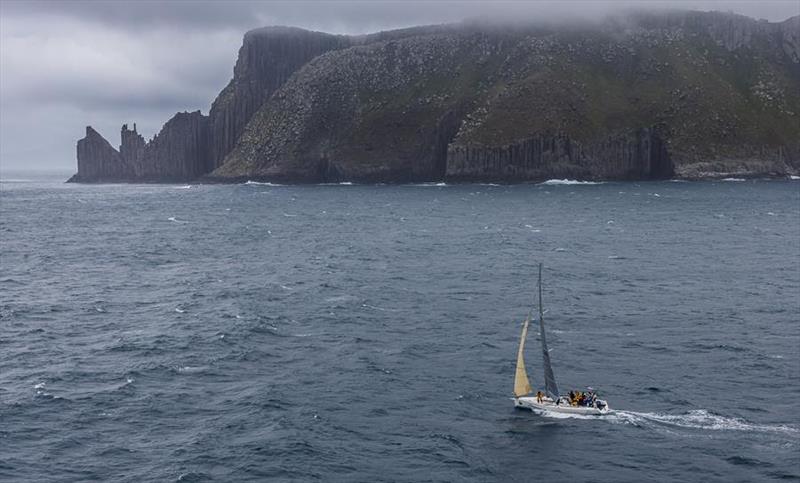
x,y
640,96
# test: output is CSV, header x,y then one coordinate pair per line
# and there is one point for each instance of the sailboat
x,y
549,400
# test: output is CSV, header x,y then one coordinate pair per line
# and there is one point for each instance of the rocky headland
x,y
636,96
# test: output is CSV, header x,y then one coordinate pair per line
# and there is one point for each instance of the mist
x,y
68,64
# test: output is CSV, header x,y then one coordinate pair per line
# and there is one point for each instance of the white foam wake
x,y
701,419
553,182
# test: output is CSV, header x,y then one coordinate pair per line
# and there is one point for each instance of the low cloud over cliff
x,y
67,64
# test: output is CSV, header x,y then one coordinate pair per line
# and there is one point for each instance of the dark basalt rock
x,y
267,58
178,153
638,155
98,161
640,96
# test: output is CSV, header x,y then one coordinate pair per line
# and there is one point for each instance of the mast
x,y
549,378
522,385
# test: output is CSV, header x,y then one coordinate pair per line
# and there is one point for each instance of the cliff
x,y
98,160
640,96
179,152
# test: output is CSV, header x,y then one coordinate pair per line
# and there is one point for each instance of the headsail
x,y
549,379
522,385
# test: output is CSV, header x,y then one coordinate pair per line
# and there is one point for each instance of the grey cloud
x,y
356,16
65,64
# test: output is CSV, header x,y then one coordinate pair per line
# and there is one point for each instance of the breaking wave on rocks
x,y
260,183
557,182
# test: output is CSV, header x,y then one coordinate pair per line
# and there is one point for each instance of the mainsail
x,y
522,385
549,379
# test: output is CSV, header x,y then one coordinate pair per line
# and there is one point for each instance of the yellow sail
x,y
522,386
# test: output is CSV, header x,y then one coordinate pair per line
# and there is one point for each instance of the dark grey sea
x,y
369,333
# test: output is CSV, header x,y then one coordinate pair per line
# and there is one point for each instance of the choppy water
x,y
368,333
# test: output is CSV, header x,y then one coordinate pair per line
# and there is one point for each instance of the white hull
x,y
548,405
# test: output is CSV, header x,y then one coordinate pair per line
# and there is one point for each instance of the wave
x,y
191,369
259,183
555,182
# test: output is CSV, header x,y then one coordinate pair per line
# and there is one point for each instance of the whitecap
x,y
287,215
552,182
733,179
180,310
187,187
191,369
39,385
342,298
793,177
175,220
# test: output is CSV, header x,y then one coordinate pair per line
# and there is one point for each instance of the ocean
x,y
368,333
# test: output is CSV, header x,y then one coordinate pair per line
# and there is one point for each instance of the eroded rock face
x,y
99,161
267,58
180,152
637,155
646,96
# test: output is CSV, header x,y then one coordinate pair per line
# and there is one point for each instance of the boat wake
x,y
702,419
696,419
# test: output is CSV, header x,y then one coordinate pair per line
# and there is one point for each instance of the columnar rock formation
x,y
640,96
97,160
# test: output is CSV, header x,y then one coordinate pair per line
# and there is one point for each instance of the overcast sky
x,y
67,64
